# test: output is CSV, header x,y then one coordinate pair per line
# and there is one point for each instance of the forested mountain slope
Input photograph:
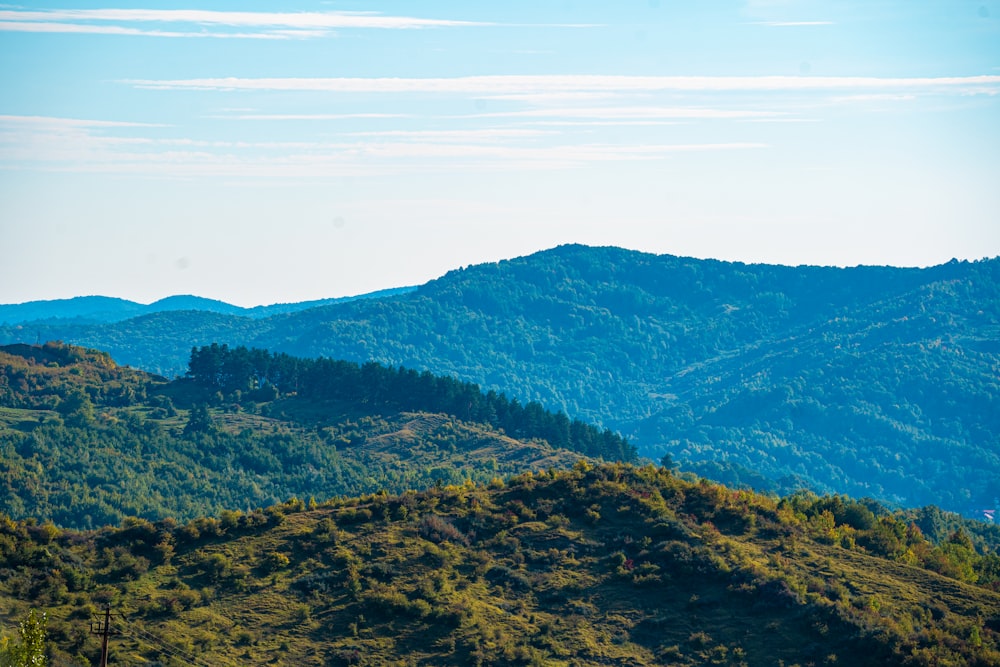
x,y
85,443
597,565
869,380
102,309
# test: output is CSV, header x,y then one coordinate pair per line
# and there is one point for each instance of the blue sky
x,y
295,150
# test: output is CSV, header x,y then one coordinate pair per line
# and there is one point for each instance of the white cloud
x,y
264,25
307,20
90,29
876,97
542,99
787,24
70,145
577,83
570,154
779,120
449,136
52,122
603,123
635,113
312,116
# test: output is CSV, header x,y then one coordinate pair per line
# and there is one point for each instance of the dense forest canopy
x,y
87,443
217,367
874,381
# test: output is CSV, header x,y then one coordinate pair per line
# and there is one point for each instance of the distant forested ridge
x,y
874,381
102,309
85,442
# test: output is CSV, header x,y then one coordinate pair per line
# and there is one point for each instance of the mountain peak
x,y
191,302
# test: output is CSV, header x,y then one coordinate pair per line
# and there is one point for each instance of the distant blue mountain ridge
x,y
870,381
108,310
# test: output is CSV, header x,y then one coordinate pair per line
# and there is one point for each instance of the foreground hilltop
x,y
598,565
873,381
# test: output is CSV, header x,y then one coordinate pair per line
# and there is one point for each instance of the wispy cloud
x,y
542,98
257,25
563,155
70,145
792,24
569,115
877,97
634,113
90,29
602,123
452,136
56,123
310,116
549,84
779,120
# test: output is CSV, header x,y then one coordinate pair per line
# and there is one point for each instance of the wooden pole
x,y
104,630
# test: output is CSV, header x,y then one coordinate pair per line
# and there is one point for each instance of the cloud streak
x,y
792,24
90,29
448,136
634,113
311,116
262,25
55,123
576,83
70,145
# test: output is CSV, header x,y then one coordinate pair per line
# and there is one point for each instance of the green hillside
x,y
605,565
872,381
86,443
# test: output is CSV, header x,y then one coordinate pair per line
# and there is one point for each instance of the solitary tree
x,y
30,650
199,421
77,408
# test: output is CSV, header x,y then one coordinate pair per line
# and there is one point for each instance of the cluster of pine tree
x,y
263,374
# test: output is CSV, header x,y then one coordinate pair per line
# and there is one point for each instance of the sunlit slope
x,y
611,565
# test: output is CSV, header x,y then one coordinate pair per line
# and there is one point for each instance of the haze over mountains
x,y
871,381
95,309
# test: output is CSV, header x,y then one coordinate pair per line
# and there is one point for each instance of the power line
x,y
139,634
119,627
161,645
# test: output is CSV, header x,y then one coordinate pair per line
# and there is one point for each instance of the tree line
x,y
263,374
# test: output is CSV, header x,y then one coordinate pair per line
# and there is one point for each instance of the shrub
x,y
439,529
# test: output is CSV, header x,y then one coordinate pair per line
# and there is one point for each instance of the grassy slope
x,y
606,566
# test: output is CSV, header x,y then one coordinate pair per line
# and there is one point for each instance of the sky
x,y
291,151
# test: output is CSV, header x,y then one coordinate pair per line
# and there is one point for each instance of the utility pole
x,y
104,629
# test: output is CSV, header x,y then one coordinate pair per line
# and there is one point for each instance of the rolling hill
x,y
597,565
515,552
85,443
872,381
